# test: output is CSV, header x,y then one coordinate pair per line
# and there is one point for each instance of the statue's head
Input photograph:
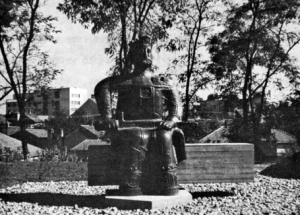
x,y
141,52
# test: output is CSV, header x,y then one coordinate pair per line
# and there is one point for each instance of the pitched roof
x,y
214,136
29,118
89,108
40,133
43,117
86,143
7,141
92,130
283,137
14,144
12,130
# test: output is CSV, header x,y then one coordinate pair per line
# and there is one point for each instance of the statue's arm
x,y
103,98
173,104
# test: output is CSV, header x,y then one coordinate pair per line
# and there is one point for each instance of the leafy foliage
x,y
195,131
20,47
23,65
195,22
253,48
8,155
284,116
124,21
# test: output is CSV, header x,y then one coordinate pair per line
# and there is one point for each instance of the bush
x,y
8,155
195,131
56,155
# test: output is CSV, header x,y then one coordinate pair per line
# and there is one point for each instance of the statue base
x,y
147,201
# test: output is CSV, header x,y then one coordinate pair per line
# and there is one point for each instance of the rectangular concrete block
x,y
148,201
206,163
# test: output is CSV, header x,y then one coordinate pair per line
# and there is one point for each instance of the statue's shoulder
x,y
117,80
161,79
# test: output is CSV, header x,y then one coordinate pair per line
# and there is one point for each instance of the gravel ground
x,y
265,195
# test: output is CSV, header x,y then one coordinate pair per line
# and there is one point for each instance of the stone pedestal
x,y
206,163
148,201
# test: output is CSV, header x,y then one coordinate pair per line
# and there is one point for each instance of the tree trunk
x,y
124,46
187,99
23,129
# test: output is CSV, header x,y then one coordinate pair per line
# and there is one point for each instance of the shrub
x,y
194,131
8,155
57,155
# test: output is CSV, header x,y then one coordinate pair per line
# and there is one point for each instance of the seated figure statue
x,y
144,130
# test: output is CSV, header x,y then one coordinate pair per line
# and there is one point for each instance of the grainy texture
x,y
206,163
288,167
265,195
19,172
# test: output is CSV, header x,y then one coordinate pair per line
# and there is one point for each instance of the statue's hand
x,y
106,124
169,123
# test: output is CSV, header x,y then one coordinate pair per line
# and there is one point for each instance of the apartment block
x,y
47,102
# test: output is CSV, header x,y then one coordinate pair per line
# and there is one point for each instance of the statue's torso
x,y
143,97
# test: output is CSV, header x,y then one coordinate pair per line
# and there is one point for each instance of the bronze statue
x,y
144,131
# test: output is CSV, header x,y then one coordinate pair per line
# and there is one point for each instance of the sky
x,y
81,55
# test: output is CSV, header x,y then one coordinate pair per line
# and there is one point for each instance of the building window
x,y
56,94
75,102
75,95
74,109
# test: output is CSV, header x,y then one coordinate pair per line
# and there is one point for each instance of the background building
x,y
47,102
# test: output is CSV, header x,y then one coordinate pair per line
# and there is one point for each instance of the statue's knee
x,y
164,136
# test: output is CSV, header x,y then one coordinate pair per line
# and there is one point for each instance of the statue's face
x,y
142,53
147,51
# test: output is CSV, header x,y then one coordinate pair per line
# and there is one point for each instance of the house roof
x,y
12,130
40,133
33,119
214,136
14,144
283,137
43,117
239,112
83,146
92,130
29,118
89,108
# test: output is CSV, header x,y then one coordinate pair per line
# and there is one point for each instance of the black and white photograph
x,y
150,107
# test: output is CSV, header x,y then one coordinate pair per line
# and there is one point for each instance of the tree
x,y
124,21
5,20
23,64
195,21
213,96
257,34
285,115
